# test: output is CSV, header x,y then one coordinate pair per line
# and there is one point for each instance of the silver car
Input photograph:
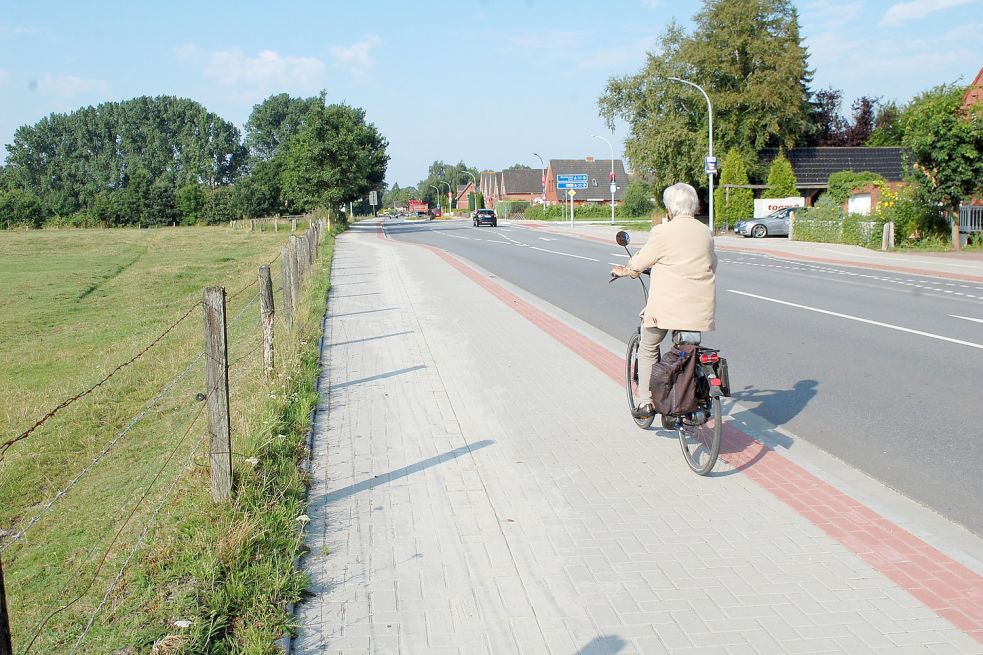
x,y
775,224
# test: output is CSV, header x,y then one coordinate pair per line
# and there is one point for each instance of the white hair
x,y
681,199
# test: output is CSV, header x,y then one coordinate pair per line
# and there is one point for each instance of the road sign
x,y
710,165
571,185
573,177
571,193
373,198
614,187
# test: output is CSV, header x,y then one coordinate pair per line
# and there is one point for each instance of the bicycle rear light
x,y
711,358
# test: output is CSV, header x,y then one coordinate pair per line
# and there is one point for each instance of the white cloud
x,y
903,12
267,70
357,57
68,86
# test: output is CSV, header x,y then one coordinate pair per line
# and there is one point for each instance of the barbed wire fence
x,y
296,261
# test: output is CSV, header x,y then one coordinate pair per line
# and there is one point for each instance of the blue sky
x,y
515,76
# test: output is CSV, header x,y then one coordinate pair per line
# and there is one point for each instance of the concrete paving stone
x,y
649,646
672,636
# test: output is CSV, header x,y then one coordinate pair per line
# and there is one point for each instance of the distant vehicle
x,y
436,213
418,208
485,217
774,224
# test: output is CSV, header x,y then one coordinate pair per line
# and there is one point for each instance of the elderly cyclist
x,y
682,295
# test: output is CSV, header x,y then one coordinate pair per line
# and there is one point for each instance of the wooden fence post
x,y
217,393
6,647
288,285
267,314
293,224
296,274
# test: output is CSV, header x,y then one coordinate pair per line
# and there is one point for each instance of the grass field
x,y
75,305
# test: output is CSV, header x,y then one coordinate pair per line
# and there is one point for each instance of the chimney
x,y
589,159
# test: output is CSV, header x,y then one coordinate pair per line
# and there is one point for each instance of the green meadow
x,y
136,545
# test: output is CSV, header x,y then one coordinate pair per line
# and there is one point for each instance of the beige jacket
x,y
683,292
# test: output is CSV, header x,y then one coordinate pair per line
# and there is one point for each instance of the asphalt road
x,y
882,370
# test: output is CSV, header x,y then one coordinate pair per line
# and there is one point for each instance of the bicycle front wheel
x,y
631,381
701,441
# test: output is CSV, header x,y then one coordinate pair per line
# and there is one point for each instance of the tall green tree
x,y
67,160
748,56
335,158
781,179
733,205
273,121
942,144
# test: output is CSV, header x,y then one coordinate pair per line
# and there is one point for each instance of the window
x,y
593,181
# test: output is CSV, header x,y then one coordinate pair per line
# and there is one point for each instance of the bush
x,y
733,205
843,182
190,201
826,223
637,200
219,206
781,179
20,208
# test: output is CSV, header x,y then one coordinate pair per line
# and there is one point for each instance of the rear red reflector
x,y
712,358
715,382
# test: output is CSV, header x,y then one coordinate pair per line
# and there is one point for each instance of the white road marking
x,y
967,318
861,320
618,254
565,254
545,239
457,236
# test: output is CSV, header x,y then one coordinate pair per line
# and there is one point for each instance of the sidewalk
x,y
963,265
480,488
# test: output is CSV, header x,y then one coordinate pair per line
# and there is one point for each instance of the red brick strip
x,y
945,586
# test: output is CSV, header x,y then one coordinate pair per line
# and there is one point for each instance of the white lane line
x,y
967,318
613,264
861,320
545,239
456,236
565,254
618,254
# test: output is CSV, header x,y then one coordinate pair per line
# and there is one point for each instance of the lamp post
x,y
474,192
611,181
437,189
710,139
543,179
448,193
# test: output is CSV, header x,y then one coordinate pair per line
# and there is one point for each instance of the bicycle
x,y
699,428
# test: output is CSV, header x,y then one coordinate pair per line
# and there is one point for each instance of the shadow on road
x,y
380,376
779,406
603,646
381,336
392,476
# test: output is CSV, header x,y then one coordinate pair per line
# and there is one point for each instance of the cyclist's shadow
x,y
751,432
779,406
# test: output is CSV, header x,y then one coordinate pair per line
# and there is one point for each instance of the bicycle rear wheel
x,y
631,381
701,443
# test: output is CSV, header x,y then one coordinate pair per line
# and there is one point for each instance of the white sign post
x,y
571,193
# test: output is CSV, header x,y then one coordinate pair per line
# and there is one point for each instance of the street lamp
x,y
437,189
474,191
612,173
543,179
710,133
449,208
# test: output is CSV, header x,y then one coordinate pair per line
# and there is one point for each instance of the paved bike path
x,y
480,488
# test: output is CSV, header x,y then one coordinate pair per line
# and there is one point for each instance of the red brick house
x,y
463,190
598,173
515,184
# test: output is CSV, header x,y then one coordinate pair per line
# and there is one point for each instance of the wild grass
x,y
76,304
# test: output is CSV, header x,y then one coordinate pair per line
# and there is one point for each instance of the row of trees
x,y
157,161
749,57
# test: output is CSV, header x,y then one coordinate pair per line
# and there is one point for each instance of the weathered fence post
x,y
267,314
6,647
293,224
288,285
296,274
217,393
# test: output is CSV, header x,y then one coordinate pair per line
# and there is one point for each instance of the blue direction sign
x,y
572,177
571,185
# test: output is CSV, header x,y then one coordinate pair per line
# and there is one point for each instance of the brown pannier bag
x,y
673,381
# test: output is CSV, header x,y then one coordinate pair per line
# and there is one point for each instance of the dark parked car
x,y
485,217
775,224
